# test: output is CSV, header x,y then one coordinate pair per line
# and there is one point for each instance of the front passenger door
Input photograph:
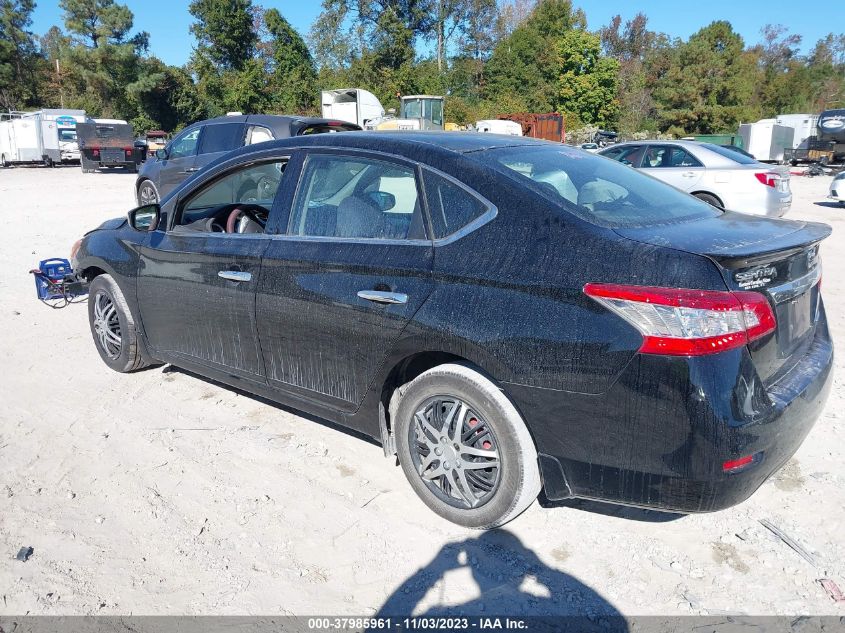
x,y
197,278
179,164
673,165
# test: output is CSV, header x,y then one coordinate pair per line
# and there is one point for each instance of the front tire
x,y
147,194
464,447
113,327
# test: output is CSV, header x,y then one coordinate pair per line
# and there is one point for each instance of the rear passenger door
x,y
339,286
673,165
218,139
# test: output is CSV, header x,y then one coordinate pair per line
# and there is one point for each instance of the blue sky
x,y
167,21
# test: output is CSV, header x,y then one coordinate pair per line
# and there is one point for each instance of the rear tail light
x,y
769,179
685,322
95,151
129,152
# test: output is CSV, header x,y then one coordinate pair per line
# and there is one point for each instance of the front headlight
x,y
73,251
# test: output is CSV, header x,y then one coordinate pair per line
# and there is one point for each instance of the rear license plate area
x,y
796,318
112,156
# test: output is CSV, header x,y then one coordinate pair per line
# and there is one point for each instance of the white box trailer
x,y
805,126
497,126
29,138
766,140
352,105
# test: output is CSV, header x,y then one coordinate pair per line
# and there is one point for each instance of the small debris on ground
x,y
24,554
795,545
832,589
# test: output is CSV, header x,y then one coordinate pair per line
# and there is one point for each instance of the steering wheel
x,y
252,211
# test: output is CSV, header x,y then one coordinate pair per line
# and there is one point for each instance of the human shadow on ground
x,y
512,582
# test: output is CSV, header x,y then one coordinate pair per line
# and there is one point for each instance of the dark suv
x,y
203,142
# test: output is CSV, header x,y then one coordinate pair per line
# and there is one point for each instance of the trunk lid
x,y
778,258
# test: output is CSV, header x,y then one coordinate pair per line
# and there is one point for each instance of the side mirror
x,y
146,218
161,154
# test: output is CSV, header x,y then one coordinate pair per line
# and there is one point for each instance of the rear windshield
x,y
598,189
727,152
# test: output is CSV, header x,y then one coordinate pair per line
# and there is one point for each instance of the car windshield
x,y
67,135
599,190
737,157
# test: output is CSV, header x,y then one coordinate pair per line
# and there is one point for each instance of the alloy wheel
x,y
455,452
147,195
107,325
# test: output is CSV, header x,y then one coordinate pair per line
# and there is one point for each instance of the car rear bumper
x,y
660,436
760,199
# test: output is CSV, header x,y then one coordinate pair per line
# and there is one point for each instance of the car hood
x,y
730,235
109,225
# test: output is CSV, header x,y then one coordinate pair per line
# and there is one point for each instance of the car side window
x,y
631,156
354,197
250,189
451,206
221,137
258,134
682,158
185,145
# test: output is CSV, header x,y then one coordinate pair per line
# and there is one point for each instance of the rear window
x,y
324,128
737,157
601,191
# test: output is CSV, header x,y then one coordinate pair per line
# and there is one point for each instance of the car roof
x,y
408,142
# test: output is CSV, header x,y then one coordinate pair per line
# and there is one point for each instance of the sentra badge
x,y
756,277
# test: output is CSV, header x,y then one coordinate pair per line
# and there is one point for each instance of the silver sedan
x,y
718,175
837,188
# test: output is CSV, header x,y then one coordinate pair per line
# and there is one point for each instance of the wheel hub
x,y
456,453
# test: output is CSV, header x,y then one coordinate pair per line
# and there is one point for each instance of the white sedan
x,y
837,188
718,175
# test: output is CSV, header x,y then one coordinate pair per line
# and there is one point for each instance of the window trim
x,y
179,206
488,216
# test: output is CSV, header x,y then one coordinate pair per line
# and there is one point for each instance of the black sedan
x,y
503,314
204,142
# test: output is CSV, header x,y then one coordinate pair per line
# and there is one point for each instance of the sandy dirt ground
x,y
162,493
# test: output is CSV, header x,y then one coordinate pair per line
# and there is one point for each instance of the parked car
x,y
722,177
107,144
837,188
739,150
201,143
502,314
590,147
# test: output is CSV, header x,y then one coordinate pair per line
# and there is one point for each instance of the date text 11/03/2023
x,y
418,623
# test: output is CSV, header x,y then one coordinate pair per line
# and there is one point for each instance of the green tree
x,y
96,22
225,32
588,81
709,84
19,59
293,83
526,62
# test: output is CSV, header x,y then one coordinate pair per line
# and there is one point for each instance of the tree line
x,y
486,57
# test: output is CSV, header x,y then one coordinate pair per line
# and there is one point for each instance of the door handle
x,y
235,275
379,296
688,174
190,170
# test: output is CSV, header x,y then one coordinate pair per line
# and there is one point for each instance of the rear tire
x,y
709,199
3,163
113,327
505,489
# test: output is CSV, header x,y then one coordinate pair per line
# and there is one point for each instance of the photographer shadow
x,y
512,582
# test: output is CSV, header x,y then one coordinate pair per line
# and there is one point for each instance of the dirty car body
x,y
542,281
